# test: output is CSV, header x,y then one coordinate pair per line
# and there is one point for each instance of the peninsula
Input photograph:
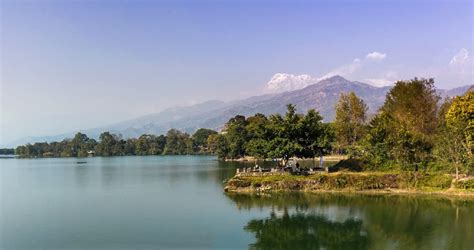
x,y
413,144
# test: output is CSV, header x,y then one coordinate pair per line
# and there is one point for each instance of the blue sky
x,y
69,65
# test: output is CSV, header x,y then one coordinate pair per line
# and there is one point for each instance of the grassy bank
x,y
354,182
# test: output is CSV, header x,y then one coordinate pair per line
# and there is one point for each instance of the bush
x,y
341,182
442,181
467,185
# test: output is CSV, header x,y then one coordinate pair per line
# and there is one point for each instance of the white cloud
x,y
378,82
357,64
460,59
344,70
376,56
281,82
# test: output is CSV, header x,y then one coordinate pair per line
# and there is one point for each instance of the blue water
x,y
178,202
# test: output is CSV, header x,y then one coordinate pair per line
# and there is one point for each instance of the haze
x,y
70,65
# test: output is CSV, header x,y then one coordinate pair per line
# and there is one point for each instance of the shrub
x,y
442,181
341,181
467,185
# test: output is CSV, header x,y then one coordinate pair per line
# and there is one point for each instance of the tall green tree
x,y
200,140
236,135
350,121
106,144
284,143
80,145
455,143
377,143
258,135
410,110
218,145
177,143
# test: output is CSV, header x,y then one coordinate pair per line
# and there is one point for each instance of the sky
x,y
70,65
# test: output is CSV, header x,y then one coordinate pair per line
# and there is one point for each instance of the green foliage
x,y
107,144
350,121
466,184
175,142
276,136
454,142
340,182
332,181
218,145
236,135
7,151
460,118
425,180
376,145
413,105
146,145
303,231
438,181
403,132
200,140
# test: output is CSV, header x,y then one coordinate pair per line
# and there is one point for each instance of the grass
x,y
351,181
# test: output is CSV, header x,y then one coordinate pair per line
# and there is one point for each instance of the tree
x,y
218,145
236,135
157,145
258,135
460,118
315,137
176,142
285,140
200,140
413,105
376,145
106,144
130,146
455,144
79,145
411,108
7,151
350,120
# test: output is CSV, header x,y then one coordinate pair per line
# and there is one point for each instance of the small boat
x,y
81,162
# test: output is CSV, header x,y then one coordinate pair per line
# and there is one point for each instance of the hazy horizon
x,y
72,65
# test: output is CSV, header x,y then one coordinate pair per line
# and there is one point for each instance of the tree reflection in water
x,y
301,231
353,221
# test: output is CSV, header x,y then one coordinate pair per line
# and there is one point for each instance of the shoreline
x,y
356,183
452,193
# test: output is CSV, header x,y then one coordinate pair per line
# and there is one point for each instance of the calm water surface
x,y
177,202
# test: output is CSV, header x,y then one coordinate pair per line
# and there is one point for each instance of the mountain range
x,y
321,96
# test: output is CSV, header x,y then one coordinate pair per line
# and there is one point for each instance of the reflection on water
x,y
178,202
343,221
302,231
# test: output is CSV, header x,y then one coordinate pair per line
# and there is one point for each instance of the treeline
x,y
174,142
7,151
412,130
275,136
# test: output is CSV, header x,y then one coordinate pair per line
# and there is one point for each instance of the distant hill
x,y
321,96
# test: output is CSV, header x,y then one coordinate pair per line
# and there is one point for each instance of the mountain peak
x,y
336,78
281,82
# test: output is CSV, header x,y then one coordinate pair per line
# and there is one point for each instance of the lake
x,y
165,202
